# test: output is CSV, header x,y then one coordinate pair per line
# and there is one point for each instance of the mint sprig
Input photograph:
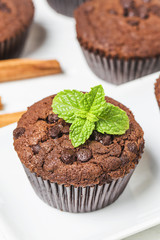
x,y
88,112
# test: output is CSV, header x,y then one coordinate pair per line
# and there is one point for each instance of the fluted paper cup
x,y
118,71
77,199
12,47
65,7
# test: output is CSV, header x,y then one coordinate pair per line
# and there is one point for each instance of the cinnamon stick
x,y
6,119
18,69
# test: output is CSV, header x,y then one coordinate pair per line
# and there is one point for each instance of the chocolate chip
x,y
132,12
4,7
68,156
105,139
128,7
142,12
36,149
125,12
132,147
84,155
18,132
127,3
112,11
98,136
155,10
141,146
133,22
60,126
52,118
65,129
54,131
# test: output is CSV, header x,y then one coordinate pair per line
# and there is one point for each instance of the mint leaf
x,y
94,101
81,113
70,104
66,104
113,121
91,117
88,112
80,131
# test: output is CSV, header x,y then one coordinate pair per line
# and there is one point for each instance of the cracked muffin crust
x,y
42,142
15,16
120,38
15,19
120,28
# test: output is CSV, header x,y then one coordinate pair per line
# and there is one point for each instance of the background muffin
x,y
157,91
65,7
15,19
120,38
76,179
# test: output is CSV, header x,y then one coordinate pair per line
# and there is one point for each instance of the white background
x,y
53,36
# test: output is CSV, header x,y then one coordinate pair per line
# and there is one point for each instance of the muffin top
x,y
157,91
15,16
120,28
42,142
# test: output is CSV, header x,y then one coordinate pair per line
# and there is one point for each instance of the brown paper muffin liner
x,y
12,47
118,71
65,7
77,199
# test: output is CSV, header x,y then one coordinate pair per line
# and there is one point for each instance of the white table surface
x,y
150,234
33,50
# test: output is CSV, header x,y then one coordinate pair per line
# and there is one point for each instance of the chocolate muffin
x,y
81,179
65,7
120,38
15,19
157,91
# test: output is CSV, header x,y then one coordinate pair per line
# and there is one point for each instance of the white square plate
x,y
23,216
